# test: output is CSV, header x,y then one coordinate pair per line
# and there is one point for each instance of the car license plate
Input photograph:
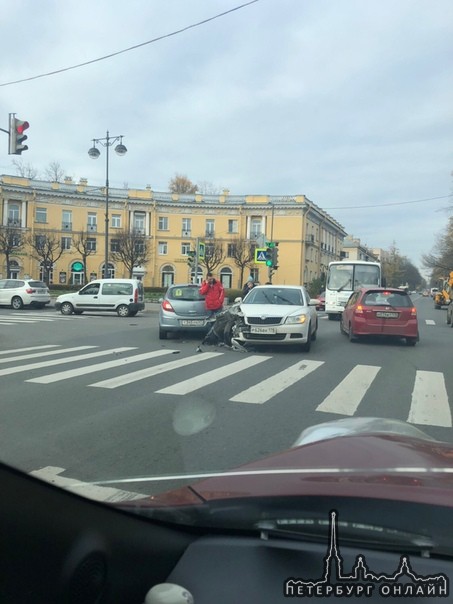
x,y
387,315
191,323
265,330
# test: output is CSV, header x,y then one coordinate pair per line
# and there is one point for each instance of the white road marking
x,y
210,377
124,362
85,489
28,348
270,387
346,397
430,322
430,404
135,376
51,362
33,355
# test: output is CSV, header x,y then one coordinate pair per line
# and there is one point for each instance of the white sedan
x,y
278,314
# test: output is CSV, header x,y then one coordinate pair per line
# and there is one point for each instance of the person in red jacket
x,y
214,294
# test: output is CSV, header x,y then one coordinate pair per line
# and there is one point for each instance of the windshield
x,y
190,193
351,276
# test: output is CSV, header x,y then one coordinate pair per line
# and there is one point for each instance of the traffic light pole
x,y
195,263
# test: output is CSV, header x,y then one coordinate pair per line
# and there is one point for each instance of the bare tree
x,y
85,249
46,247
54,172
207,188
181,184
242,251
131,248
214,255
10,243
24,170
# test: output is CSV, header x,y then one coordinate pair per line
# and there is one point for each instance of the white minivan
x,y
123,296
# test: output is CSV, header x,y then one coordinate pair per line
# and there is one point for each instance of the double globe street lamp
x,y
94,153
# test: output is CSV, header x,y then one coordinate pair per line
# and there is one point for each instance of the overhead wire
x,y
124,50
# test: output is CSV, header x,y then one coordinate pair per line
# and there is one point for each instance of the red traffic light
x,y
21,126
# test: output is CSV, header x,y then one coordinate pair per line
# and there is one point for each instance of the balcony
x,y
185,233
92,228
209,234
13,222
66,226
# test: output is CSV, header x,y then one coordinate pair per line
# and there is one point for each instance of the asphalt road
x,y
97,397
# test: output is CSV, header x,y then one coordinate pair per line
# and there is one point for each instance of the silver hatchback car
x,y
18,293
182,309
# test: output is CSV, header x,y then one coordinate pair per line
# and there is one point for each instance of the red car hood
x,y
379,466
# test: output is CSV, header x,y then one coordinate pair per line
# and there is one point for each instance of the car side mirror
x,y
313,302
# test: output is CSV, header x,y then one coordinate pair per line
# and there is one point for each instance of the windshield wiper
x,y
351,533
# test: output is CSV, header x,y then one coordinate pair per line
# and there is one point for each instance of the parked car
x,y
123,296
321,301
380,311
278,314
182,309
18,293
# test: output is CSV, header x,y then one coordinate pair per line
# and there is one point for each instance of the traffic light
x,y
269,256
275,256
16,135
190,258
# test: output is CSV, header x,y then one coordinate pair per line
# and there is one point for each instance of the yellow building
x,y
171,224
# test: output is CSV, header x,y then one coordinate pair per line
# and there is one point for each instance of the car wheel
x,y
123,310
78,312
351,334
228,334
66,308
17,303
314,335
411,341
162,334
332,317
342,329
306,347
448,318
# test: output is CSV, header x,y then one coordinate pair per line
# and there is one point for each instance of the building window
x,y
91,244
185,249
41,214
40,241
233,226
92,222
13,214
231,250
116,221
210,227
114,245
66,220
139,223
163,248
186,227
66,243
162,223
255,227
139,246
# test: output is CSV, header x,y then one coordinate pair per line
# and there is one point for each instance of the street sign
x,y
201,250
260,255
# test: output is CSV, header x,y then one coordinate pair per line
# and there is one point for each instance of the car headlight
x,y
296,319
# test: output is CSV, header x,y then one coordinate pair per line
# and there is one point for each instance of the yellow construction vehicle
x,y
445,294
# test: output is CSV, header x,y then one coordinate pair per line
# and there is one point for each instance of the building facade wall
x,y
308,237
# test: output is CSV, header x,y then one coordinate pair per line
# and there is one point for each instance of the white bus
x,y
344,277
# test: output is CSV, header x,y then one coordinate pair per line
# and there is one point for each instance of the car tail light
x,y
167,306
359,310
30,291
413,312
136,295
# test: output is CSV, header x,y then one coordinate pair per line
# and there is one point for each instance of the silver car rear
x,y
182,309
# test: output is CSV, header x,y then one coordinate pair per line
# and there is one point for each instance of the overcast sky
x,y
349,102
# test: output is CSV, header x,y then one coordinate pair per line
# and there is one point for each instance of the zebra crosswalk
x,y
429,401
15,319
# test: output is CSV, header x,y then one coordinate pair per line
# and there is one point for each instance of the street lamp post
x,y
94,153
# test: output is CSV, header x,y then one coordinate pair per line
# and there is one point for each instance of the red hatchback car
x,y
380,311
